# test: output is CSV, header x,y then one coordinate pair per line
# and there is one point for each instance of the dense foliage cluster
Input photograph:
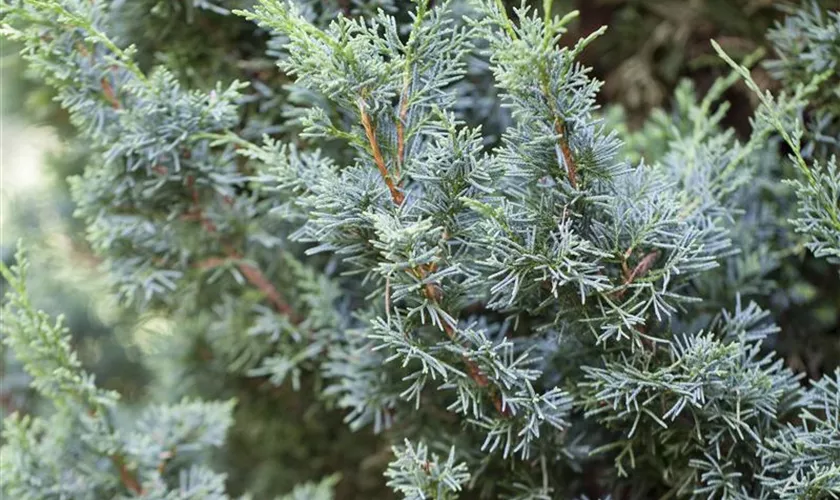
x,y
401,251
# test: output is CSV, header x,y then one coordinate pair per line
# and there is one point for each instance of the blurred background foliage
x,y
650,46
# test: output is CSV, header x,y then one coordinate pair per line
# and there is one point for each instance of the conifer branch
x,y
108,92
261,283
396,195
639,270
401,120
44,349
251,273
568,159
526,279
559,122
433,292
127,477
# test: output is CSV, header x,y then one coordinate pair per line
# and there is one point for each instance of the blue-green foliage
x,y
556,315
800,461
416,475
89,448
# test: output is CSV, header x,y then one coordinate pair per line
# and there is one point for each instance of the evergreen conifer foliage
x,y
808,45
90,448
533,317
553,240
167,211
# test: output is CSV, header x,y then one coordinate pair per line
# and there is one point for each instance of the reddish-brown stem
x,y
251,273
258,279
108,90
560,130
370,133
401,119
433,292
567,152
165,457
127,477
478,376
642,267
129,480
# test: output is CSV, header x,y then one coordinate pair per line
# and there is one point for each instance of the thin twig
x,y
110,96
258,279
370,132
642,267
433,292
639,271
251,273
403,115
129,480
566,151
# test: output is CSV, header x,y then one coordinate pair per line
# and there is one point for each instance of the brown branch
x,y
396,194
251,273
560,130
566,151
478,376
641,268
107,88
401,127
110,96
433,292
639,271
258,279
128,479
